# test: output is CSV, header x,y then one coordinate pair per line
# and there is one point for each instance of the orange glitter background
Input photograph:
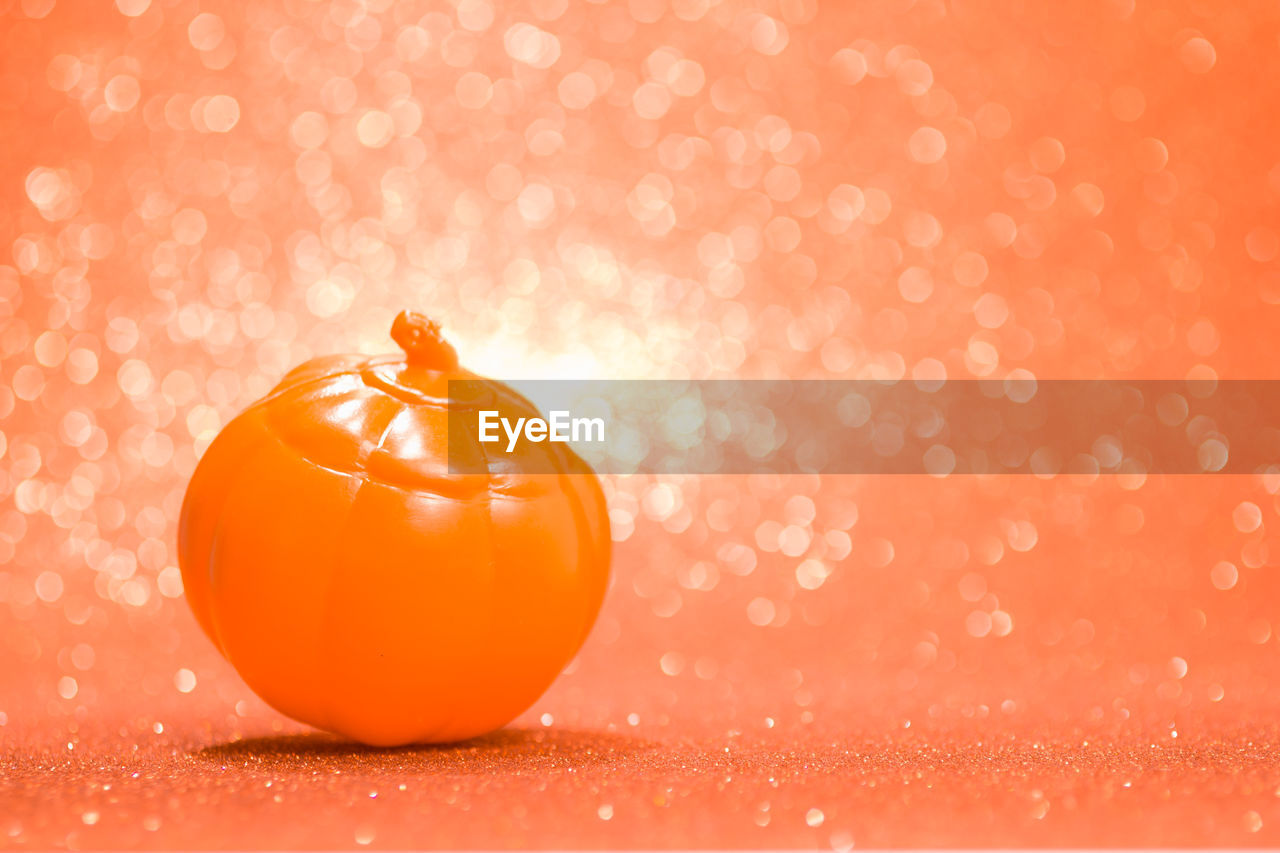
x,y
195,196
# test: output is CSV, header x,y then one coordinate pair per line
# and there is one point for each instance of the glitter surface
x,y
195,197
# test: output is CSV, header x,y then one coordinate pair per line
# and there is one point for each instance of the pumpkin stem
x,y
422,342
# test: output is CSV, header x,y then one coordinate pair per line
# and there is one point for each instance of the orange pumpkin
x,y
358,584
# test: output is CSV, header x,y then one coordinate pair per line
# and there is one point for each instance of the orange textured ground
x,y
194,197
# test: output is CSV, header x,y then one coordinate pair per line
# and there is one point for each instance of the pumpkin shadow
x,y
512,750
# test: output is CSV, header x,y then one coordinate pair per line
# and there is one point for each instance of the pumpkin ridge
x,y
327,705
492,528
327,618
269,442
586,547
260,446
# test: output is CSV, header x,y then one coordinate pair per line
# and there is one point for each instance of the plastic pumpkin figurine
x,y
361,585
